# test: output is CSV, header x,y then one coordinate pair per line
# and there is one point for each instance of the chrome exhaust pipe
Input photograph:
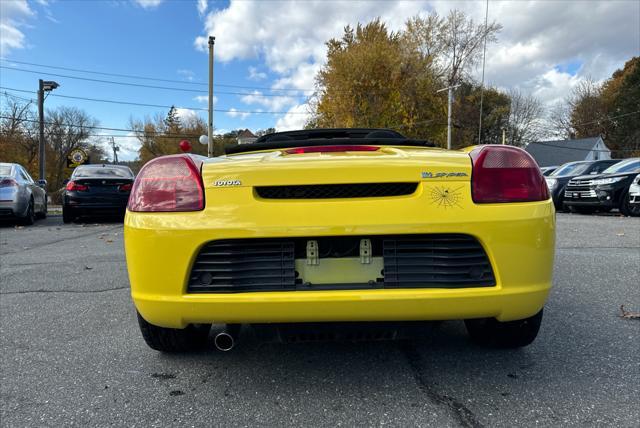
x,y
226,340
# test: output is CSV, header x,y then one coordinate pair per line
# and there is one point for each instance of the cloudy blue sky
x,y
267,52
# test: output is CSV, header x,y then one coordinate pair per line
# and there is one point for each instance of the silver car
x,y
20,197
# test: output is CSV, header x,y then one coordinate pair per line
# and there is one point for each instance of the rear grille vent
x,y
244,265
336,191
409,261
451,260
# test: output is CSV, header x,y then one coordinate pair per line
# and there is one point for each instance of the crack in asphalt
x,y
465,417
37,246
64,291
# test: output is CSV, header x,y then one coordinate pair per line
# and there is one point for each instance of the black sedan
x,y
590,193
557,181
97,190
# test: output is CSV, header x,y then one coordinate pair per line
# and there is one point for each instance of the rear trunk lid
x,y
386,165
106,185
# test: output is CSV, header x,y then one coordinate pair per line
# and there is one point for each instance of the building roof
x,y
551,153
246,134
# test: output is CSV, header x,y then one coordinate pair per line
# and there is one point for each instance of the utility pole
x,y
450,89
41,131
43,86
212,41
115,149
504,136
484,56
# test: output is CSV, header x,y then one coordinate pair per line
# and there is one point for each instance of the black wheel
x,y
581,210
67,215
30,217
162,339
510,334
628,209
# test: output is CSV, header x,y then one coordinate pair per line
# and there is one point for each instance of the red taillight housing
x,y
125,187
330,149
75,187
167,184
8,182
506,174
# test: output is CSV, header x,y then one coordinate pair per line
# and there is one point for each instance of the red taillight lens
x,y
8,182
168,183
75,187
125,187
330,149
506,174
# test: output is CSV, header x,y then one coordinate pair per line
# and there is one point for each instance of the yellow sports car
x,y
339,225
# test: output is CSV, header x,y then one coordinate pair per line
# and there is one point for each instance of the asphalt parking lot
x,y
71,353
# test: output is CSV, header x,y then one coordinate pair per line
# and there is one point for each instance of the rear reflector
x,y
506,174
166,184
330,149
75,187
125,187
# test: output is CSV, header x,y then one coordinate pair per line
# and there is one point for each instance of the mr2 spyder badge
x,y
427,174
224,183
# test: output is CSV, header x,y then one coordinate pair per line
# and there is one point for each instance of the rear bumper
x,y
11,208
519,240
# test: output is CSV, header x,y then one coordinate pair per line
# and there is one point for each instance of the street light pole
x,y
41,130
43,86
210,153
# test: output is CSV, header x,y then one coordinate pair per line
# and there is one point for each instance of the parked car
x,y
558,180
96,190
589,193
634,197
548,170
20,196
339,225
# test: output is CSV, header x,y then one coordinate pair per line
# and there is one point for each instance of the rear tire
x,y
67,215
162,339
30,217
510,334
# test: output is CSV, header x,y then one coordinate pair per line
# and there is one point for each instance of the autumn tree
x,y
525,122
161,135
373,79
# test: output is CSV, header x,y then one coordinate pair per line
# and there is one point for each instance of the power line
x,y
152,105
157,79
140,85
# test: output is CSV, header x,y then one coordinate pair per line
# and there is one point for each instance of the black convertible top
x,y
321,137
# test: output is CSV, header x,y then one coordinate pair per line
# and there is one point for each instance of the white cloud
x,y
234,113
537,38
296,118
272,103
202,7
186,115
128,144
149,4
254,74
187,74
12,16
205,99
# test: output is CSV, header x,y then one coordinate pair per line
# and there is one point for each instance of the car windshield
x,y
630,165
5,170
573,168
102,172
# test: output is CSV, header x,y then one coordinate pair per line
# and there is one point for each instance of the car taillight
x,y
330,149
8,182
125,187
168,183
75,187
506,174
